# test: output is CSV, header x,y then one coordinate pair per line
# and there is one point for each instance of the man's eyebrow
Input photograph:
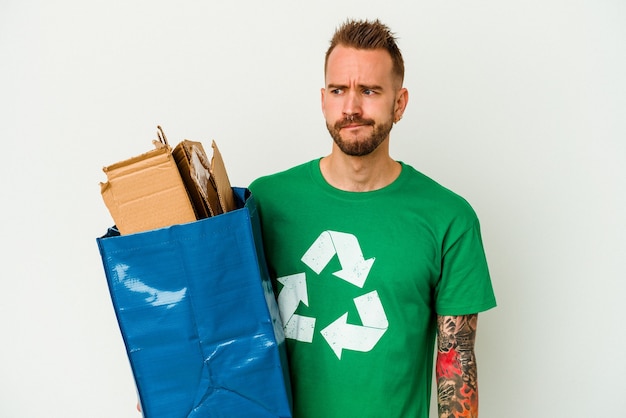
x,y
360,86
370,87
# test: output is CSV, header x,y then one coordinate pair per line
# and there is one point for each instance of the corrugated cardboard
x,y
146,192
207,183
195,170
221,182
164,187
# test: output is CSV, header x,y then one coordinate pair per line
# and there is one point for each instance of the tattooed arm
x,y
457,386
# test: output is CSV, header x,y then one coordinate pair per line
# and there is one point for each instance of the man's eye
x,y
369,92
336,91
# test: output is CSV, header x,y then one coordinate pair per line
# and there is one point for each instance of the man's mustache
x,y
353,120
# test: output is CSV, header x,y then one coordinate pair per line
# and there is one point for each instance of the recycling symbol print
x,y
340,335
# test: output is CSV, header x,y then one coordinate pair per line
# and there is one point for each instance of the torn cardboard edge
x,y
195,171
163,187
221,182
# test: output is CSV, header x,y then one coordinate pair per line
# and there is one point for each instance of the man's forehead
x,y
369,65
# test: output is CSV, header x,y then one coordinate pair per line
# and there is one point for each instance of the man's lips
x,y
351,124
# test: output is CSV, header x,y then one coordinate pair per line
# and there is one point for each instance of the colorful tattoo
x,y
457,385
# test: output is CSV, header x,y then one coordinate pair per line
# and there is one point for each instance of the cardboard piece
x,y
221,182
194,168
207,183
146,192
165,187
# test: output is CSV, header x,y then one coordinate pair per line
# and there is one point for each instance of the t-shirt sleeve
x,y
465,285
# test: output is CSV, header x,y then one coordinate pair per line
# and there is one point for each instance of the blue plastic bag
x,y
198,317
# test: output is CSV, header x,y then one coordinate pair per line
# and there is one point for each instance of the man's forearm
x,y
457,385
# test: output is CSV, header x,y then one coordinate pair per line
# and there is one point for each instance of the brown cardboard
x,y
146,192
164,187
221,182
194,168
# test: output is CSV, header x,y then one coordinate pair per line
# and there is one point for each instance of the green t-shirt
x,y
360,278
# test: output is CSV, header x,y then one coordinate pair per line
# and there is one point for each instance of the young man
x,y
370,258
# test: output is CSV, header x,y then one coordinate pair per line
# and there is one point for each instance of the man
x,y
370,258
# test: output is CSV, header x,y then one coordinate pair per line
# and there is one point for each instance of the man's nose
x,y
352,104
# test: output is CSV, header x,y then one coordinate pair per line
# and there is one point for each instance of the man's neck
x,y
359,174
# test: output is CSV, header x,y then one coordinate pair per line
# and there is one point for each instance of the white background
x,y
519,106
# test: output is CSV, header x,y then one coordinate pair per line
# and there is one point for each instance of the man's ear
x,y
402,99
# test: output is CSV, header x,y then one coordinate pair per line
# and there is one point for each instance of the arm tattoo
x,y
457,385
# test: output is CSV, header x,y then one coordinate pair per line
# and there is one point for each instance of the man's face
x,y
360,99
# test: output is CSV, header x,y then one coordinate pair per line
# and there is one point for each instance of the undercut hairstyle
x,y
365,34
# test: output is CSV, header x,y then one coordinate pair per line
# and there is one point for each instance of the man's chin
x,y
356,148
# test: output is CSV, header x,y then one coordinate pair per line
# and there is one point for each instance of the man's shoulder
x,y
426,188
279,180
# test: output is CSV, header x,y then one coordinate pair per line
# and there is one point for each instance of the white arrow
x,y
320,253
343,336
296,327
354,267
300,328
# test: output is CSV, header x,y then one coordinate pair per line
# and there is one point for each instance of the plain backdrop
x,y
519,106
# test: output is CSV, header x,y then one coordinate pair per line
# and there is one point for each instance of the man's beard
x,y
362,147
